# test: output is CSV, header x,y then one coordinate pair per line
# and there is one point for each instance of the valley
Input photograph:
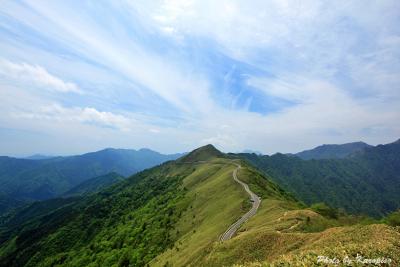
x,y
27,180
194,211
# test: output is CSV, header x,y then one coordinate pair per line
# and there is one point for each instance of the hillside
x,y
174,214
8,203
367,182
24,179
332,151
94,184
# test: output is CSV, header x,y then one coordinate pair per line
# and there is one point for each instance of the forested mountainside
x,y
25,180
332,151
174,215
93,185
367,182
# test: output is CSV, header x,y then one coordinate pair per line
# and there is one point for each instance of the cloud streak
x,y
172,75
57,113
35,75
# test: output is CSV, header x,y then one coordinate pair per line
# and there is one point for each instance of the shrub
x,y
393,219
325,210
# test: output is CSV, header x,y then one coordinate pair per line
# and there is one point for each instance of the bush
x,y
325,210
393,219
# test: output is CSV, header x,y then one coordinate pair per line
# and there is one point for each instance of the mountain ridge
x,y
47,178
332,151
191,186
39,157
366,182
173,215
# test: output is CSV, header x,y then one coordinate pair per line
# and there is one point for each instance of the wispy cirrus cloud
x,y
118,52
266,75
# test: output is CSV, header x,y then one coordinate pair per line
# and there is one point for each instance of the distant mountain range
x,y
357,177
25,180
39,156
251,151
332,151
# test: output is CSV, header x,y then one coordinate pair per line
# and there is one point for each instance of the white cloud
x,y
35,75
237,25
323,113
315,37
377,72
288,88
35,111
179,85
60,114
305,47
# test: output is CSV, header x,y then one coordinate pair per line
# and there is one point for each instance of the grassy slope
x,y
282,231
217,202
187,206
276,236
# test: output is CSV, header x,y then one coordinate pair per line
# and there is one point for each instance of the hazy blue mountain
x,y
47,178
39,156
366,182
94,184
251,151
332,151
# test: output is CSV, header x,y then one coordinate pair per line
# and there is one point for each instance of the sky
x,y
270,76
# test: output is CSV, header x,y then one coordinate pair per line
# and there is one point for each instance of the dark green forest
x,y
366,182
94,184
24,180
126,224
332,151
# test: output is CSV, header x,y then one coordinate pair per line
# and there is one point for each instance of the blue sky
x,y
77,76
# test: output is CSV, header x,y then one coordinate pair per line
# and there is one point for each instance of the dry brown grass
x,y
302,249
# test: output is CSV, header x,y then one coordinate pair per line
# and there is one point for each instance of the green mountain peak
x,y
203,153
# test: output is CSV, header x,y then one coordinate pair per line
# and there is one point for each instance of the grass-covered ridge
x,y
283,231
218,201
174,214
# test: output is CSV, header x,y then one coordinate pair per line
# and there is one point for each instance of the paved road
x,y
256,203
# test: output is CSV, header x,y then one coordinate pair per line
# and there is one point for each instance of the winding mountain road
x,y
256,200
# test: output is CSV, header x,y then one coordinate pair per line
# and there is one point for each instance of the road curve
x,y
256,203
